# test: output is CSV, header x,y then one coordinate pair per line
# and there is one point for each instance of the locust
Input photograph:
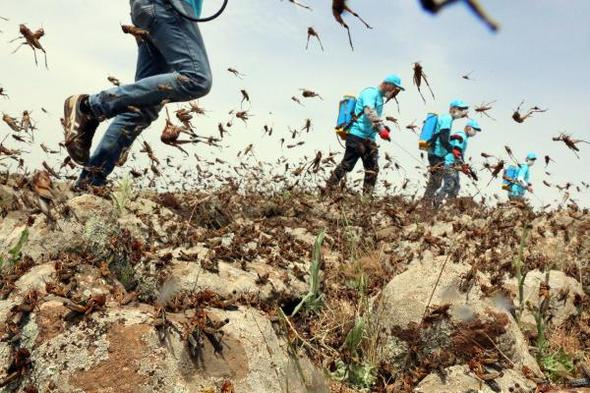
x,y
394,121
245,97
467,76
316,163
26,122
338,8
138,33
307,126
114,80
570,142
150,153
419,75
222,131
548,160
510,154
85,307
185,117
170,136
297,100
32,39
235,72
484,108
412,126
244,116
434,6
521,118
310,94
11,122
2,93
20,364
196,109
299,4
496,170
267,130
312,33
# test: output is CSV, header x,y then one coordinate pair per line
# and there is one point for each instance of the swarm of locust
x,y
31,39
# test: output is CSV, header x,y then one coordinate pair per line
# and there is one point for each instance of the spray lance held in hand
x,y
192,9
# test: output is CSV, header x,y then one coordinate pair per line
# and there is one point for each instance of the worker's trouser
x,y
172,66
366,150
451,185
436,172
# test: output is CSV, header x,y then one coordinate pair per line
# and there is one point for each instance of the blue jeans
x,y
172,65
451,185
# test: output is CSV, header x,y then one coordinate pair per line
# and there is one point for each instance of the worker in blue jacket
x,y
522,182
441,146
360,141
172,66
455,161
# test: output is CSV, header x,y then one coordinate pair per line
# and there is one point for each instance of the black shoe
x,y
79,129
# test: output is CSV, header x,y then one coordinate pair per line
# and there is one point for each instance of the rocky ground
x,y
127,290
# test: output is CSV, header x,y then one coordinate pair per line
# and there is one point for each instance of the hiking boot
x,y
79,129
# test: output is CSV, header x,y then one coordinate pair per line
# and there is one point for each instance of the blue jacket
x,y
524,174
458,139
371,97
445,122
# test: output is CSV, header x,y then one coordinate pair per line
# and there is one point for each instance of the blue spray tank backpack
x,y
427,135
346,116
510,174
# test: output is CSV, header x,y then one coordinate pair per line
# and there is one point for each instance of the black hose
x,y
207,19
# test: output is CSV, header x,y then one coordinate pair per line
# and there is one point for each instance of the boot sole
x,y
71,135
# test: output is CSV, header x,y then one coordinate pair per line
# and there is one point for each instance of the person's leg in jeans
x,y
180,43
450,187
127,126
436,170
370,159
351,156
187,77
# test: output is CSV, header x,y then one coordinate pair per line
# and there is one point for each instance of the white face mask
x,y
530,162
457,113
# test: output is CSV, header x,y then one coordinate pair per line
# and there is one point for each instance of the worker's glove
x,y
465,169
457,154
384,133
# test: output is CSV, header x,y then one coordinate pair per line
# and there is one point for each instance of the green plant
x,y
557,364
122,194
313,299
16,251
520,272
361,355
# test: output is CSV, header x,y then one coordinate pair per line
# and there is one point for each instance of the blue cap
x,y
459,104
395,80
473,124
531,156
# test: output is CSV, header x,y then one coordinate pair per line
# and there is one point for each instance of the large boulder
x,y
262,279
563,291
118,350
402,304
461,379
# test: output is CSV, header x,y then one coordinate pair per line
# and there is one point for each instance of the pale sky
x,y
541,54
